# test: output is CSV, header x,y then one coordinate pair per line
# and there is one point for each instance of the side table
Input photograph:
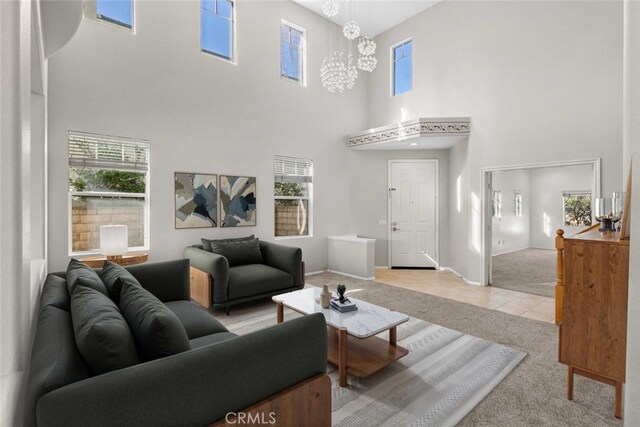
x,y
128,259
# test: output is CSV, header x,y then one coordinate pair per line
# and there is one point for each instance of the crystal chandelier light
x,y
351,30
367,63
367,46
331,8
337,73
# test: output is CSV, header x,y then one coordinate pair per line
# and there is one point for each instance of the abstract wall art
x,y
237,201
196,198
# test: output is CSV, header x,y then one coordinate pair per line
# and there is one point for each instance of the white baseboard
x,y
467,281
351,275
510,251
382,267
314,273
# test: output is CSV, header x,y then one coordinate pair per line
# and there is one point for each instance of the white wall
x,y
511,232
632,148
541,81
547,186
22,153
203,114
369,196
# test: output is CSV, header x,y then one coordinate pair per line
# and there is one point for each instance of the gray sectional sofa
x,y
231,271
219,373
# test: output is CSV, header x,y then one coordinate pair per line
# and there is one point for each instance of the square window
x,y
119,12
107,185
576,208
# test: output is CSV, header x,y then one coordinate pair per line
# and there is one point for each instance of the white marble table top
x,y
368,320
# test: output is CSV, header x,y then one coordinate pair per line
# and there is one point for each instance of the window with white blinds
x,y
107,185
293,196
97,151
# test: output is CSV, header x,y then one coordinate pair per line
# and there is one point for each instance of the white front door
x,y
413,198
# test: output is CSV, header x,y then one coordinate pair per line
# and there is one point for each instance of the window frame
x,y
517,203
233,58
71,194
303,53
392,63
564,206
496,204
91,12
308,198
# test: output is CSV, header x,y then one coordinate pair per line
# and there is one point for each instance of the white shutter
x,y
107,152
291,169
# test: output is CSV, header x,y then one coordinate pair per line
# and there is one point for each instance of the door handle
x,y
395,229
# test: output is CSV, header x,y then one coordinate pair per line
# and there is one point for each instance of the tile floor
x,y
447,285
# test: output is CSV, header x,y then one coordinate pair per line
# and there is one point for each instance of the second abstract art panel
x,y
237,201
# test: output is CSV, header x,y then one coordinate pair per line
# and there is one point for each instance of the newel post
x,y
559,274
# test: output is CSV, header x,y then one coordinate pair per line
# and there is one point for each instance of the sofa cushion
x,y
55,359
206,243
102,335
197,321
156,330
240,252
111,273
55,293
77,269
255,279
211,339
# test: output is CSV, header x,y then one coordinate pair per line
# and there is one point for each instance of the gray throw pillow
x,y
102,335
78,269
240,252
156,330
206,243
111,273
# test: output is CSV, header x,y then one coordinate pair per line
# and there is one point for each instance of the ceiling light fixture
x,y
331,8
338,72
351,30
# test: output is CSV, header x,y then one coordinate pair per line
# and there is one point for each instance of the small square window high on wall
x,y
402,70
118,12
217,28
292,52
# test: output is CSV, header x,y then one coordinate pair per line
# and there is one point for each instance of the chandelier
x,y
331,8
338,72
351,30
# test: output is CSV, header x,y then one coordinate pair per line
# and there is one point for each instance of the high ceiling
x,y
374,16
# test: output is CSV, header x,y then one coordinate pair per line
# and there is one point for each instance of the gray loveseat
x,y
221,372
230,276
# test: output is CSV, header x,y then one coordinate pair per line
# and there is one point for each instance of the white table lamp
x,y
114,241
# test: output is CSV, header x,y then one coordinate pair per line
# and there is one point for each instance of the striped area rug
x,y
444,376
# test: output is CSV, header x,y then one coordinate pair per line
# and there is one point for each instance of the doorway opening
x,y
523,208
413,223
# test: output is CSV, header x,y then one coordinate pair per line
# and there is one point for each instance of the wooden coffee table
x,y
352,344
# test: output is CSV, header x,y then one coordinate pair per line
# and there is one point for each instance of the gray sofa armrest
x,y
285,258
216,265
196,387
168,281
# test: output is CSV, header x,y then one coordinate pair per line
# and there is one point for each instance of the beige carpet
x,y
533,394
532,271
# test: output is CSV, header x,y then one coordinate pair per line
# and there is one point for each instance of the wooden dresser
x,y
593,275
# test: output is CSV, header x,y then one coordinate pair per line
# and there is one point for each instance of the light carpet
x,y
532,271
444,376
534,394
